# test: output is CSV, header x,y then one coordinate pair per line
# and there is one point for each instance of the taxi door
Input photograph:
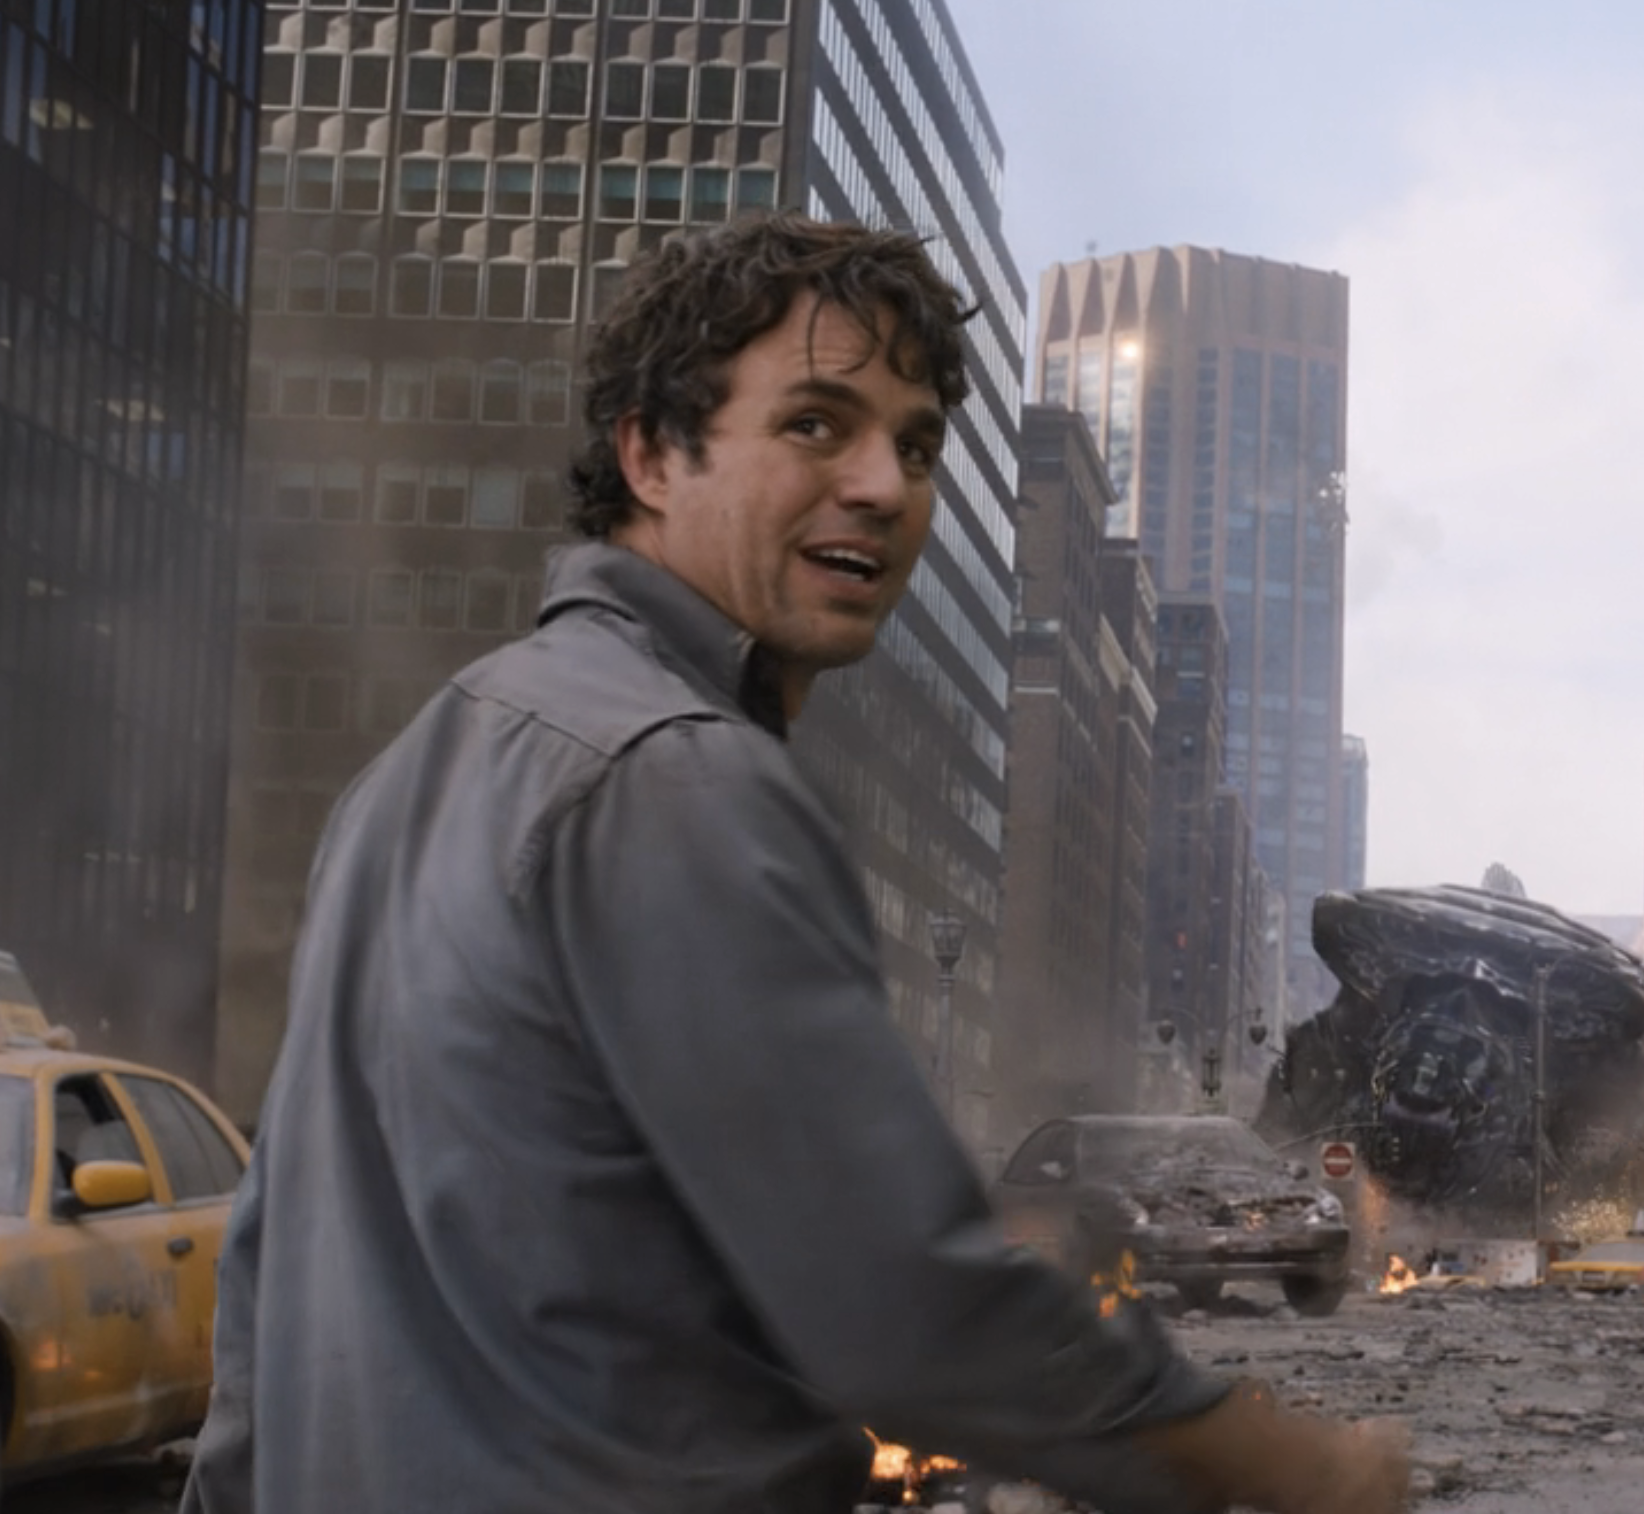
x,y
201,1166
97,1390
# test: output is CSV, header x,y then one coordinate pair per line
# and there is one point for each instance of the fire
x,y
894,1463
1399,1276
1121,1284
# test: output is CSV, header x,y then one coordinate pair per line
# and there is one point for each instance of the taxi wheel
x,y
1314,1297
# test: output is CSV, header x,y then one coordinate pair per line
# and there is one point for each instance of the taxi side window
x,y
200,1163
88,1128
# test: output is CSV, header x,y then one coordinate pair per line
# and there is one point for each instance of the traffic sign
x,y
1336,1159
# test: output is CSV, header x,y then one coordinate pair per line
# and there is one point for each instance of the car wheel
x,y
1201,1292
1314,1296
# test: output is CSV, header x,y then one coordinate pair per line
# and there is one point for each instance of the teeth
x,y
844,557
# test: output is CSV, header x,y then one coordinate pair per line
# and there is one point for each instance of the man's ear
x,y
644,462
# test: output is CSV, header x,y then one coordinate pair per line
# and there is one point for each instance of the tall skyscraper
x,y
127,134
1216,387
450,192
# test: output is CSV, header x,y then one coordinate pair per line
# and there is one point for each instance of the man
x,y
593,1178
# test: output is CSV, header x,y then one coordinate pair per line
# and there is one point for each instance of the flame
x,y
894,1463
1111,1287
1399,1276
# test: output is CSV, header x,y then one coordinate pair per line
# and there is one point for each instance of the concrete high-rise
x,y
126,140
450,191
1355,809
1216,388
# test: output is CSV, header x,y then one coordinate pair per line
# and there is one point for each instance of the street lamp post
x,y
947,944
1539,1102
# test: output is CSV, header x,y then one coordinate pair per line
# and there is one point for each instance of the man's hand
x,y
1247,1451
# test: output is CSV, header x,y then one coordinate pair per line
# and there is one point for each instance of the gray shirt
x,y
594,1177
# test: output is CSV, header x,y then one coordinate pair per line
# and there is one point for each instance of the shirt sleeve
x,y
720,949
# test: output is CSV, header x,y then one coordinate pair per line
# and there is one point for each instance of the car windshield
x,y
1627,1252
1121,1146
16,1144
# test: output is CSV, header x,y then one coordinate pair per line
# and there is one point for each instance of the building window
x,y
342,488
441,599
556,291
399,493
285,596
762,96
265,282
279,74
348,389
425,85
473,86
755,188
710,194
767,10
496,498
453,390
624,91
445,495
500,393
322,80
716,93
368,82
664,192
419,186
334,597
618,191
316,186
539,501
325,702
294,491
259,387
356,290
413,286
390,597
362,183
514,192
300,387
272,167
562,191
465,188
568,87
404,391
521,87
670,92
505,292
549,391
721,10
277,702
305,292
488,601
459,288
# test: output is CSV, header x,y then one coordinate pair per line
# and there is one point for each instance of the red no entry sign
x,y
1336,1159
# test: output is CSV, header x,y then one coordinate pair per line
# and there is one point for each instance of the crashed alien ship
x,y
1427,1056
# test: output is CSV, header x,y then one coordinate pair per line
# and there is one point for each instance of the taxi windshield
x,y
16,1143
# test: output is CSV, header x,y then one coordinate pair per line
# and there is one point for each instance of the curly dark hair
x,y
685,311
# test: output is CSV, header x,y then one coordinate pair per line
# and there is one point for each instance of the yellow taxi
x,y
115,1184
1605,1266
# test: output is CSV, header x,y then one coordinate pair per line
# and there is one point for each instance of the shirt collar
x,y
686,630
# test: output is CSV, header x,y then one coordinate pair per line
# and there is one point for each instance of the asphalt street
x,y
1519,1401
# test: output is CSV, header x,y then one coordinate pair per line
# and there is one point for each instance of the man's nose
x,y
876,477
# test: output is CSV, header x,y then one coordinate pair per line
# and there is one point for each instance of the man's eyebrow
x,y
926,418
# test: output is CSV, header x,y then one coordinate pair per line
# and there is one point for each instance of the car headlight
x,y
1135,1216
1324,1210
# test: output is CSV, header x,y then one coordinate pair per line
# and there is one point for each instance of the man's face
x,y
813,497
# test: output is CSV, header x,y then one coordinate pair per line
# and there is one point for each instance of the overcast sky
x,y
1474,168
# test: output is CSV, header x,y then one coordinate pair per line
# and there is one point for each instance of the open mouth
x,y
847,563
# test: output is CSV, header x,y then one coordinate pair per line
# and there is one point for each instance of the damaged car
x,y
1194,1201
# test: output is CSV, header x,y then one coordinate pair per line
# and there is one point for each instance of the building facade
x,y
450,193
1054,1027
1355,810
127,135
1185,958
1216,387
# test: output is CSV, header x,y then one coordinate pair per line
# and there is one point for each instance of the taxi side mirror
x,y
111,1185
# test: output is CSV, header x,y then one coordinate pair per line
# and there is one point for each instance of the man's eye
x,y
920,454
812,425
